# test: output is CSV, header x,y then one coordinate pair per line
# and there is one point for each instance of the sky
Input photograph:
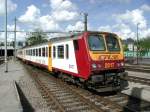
x,y
117,16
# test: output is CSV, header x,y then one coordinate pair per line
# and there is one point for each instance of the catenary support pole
x,y
6,61
15,39
85,21
137,44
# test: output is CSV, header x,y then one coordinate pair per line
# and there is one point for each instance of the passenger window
x,y
39,51
36,52
43,51
33,52
67,51
54,51
60,51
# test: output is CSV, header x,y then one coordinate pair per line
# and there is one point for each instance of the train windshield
x,y
112,43
96,43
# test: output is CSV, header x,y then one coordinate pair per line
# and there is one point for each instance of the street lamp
x,y
137,44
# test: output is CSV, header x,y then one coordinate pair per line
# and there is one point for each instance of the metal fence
x,y
131,57
134,54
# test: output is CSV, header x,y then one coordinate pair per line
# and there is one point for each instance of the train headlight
x,y
118,64
122,64
94,66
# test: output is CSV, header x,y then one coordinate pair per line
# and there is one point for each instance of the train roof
x,y
72,36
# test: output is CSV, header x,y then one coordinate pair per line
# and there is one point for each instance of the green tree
x,y
36,37
144,45
125,48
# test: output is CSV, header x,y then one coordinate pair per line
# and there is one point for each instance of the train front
x,y
107,61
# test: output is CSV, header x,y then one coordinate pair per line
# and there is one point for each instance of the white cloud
x,y
109,1
63,10
64,15
62,5
106,28
145,7
30,15
132,17
47,23
10,5
33,16
79,26
126,23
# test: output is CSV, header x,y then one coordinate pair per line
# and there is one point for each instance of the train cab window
x,y
67,51
39,51
43,51
46,52
96,43
60,51
54,51
50,52
36,52
112,43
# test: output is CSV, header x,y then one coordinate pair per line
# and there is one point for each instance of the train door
x,y
49,58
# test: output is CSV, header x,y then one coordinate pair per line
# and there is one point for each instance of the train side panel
x,y
64,59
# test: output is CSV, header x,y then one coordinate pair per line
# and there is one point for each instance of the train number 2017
x,y
109,65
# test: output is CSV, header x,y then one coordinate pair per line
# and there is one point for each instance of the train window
x,y
39,51
67,51
27,52
43,51
76,46
33,52
36,52
46,52
112,43
30,52
50,52
60,51
96,43
54,51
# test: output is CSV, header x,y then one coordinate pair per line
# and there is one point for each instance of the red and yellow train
x,y
92,59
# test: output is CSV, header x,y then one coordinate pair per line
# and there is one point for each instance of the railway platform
x,y
9,97
138,90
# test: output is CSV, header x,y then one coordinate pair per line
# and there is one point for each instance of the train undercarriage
x,y
102,82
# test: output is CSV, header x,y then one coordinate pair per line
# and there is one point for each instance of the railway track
x,y
138,80
139,68
68,98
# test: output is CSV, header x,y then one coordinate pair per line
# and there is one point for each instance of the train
x,y
91,59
